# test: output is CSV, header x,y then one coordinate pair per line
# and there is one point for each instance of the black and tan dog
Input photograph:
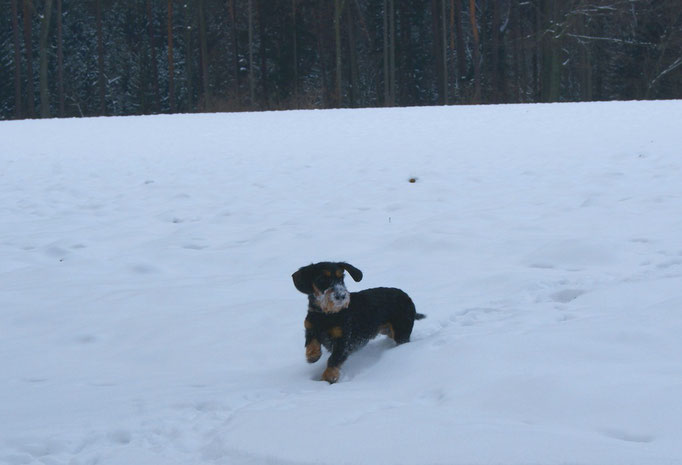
x,y
343,321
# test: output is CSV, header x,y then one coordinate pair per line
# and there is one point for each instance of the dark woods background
x,y
115,57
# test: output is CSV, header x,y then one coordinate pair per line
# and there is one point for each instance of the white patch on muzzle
x,y
334,299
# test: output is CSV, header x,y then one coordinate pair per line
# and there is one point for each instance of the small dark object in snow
x,y
413,180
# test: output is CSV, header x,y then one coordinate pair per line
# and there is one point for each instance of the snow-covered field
x,y
147,312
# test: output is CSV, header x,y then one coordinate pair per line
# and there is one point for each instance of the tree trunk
x,y
262,51
44,35
337,47
353,59
435,44
188,55
320,29
155,64
438,53
444,44
536,57
203,55
410,86
495,58
453,47
523,62
387,95
28,45
518,64
100,59
461,58
60,59
295,51
171,61
551,65
586,63
391,22
477,62
235,46
17,61
252,84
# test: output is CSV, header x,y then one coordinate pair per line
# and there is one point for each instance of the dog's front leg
x,y
338,356
313,351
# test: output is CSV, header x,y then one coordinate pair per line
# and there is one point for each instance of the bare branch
x,y
668,70
611,39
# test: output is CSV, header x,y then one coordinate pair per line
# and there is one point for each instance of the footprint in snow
x,y
120,436
542,266
85,339
669,263
54,251
143,268
567,295
475,315
194,246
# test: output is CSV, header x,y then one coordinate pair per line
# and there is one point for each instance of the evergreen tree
x,y
112,57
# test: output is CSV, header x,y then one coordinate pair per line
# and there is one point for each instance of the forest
x,y
72,58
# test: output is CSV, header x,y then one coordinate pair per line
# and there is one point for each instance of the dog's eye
x,y
323,282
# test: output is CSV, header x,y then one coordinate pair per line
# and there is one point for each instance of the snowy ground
x,y
147,313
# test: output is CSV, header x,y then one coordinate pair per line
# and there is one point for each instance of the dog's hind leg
x,y
387,330
402,329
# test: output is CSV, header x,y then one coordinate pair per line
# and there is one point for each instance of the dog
x,y
343,321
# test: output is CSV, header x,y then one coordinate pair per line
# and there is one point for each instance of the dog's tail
x,y
419,316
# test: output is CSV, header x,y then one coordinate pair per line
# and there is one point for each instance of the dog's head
x,y
323,283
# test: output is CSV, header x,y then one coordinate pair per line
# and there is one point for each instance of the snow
x,y
147,312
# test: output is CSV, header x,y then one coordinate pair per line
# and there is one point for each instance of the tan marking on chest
x,y
336,332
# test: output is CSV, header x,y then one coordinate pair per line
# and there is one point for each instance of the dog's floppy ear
x,y
303,279
352,271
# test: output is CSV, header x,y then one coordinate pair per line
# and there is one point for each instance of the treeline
x,y
115,57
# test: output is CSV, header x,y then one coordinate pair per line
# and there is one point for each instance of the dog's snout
x,y
339,293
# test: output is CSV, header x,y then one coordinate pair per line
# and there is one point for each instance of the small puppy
x,y
343,321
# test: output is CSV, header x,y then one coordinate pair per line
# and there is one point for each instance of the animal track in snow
x,y
478,315
628,436
669,263
542,266
567,295
85,339
55,251
120,436
640,240
143,268
194,246
433,397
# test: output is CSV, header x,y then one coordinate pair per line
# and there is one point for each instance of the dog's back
x,y
380,307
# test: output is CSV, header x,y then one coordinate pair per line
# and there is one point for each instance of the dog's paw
x,y
331,375
313,352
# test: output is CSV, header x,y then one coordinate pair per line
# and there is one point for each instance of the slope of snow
x,y
147,313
